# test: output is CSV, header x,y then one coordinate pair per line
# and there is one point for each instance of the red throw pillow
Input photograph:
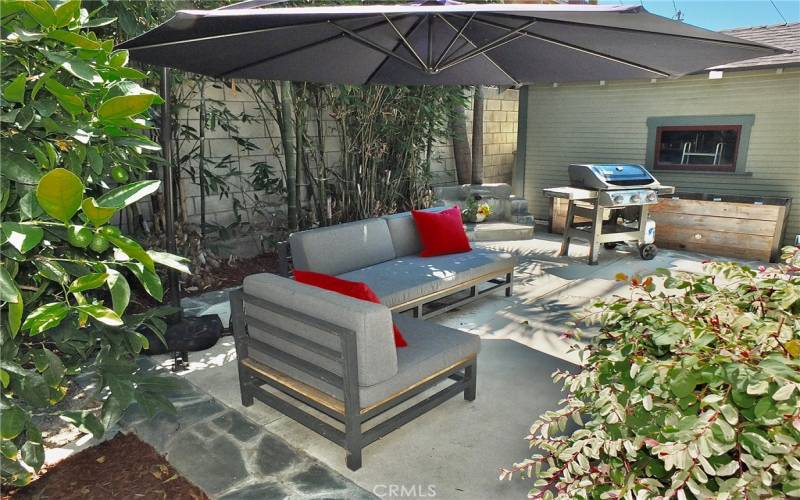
x,y
442,232
354,289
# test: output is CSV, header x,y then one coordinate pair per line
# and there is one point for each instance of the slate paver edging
x,y
229,456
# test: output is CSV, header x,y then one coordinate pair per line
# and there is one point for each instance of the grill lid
x,y
610,176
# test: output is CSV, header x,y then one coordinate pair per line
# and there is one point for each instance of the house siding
x,y
574,123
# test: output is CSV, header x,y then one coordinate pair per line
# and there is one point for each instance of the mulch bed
x,y
231,274
124,467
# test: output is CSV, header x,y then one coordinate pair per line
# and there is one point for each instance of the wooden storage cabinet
x,y
729,226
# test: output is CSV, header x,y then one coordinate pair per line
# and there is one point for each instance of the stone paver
x,y
228,455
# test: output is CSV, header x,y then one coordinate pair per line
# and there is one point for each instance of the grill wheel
x,y
648,251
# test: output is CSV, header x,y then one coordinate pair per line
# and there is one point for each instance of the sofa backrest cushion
x,y
342,248
372,324
405,236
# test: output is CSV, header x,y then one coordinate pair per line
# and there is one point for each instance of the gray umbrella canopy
x,y
449,44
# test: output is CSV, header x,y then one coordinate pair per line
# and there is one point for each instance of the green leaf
x,y
124,106
131,248
120,291
23,237
129,193
15,310
33,455
60,193
85,421
8,449
8,288
28,206
172,261
96,214
111,412
101,314
149,280
755,444
41,11
88,282
68,99
683,384
34,390
13,422
20,169
67,11
55,371
74,39
77,67
137,142
52,270
121,389
118,59
45,317
15,91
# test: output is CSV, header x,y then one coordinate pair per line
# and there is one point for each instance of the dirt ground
x,y
122,468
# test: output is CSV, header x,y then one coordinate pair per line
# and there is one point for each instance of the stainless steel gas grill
x,y
615,198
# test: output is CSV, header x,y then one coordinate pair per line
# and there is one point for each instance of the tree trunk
x,y
461,152
477,136
288,138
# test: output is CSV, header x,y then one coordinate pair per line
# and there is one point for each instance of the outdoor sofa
x,y
337,354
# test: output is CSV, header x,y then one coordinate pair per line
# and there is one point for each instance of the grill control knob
x,y
618,199
636,198
651,196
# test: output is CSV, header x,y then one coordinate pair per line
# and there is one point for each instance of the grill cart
x,y
615,199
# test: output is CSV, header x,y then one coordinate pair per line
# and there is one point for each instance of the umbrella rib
x,y
459,33
407,44
504,39
580,49
379,66
224,35
296,49
470,42
369,43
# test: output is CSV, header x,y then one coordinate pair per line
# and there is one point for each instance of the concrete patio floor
x,y
456,449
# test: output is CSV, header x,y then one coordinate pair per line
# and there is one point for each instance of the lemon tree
x,y
74,122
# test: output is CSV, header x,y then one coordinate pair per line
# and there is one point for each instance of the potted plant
x,y
476,211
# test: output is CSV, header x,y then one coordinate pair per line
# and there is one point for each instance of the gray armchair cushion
x,y
431,348
343,247
377,357
411,277
403,229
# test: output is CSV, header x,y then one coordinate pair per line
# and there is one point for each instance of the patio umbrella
x,y
437,44
431,43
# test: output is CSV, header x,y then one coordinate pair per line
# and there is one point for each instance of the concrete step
x,y
499,231
525,220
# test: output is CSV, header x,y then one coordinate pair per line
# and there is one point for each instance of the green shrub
x,y
74,123
691,390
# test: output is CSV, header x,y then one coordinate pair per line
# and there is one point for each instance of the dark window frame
x,y
695,121
696,166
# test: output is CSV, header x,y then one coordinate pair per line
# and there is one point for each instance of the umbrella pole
x,y
169,214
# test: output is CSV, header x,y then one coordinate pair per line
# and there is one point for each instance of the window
x,y
705,144
697,147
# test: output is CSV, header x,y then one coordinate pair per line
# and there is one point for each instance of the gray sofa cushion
x,y
403,229
431,348
407,278
377,357
343,247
